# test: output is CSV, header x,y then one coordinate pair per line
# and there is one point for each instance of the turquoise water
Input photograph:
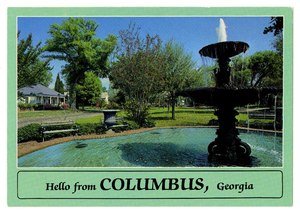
x,y
172,147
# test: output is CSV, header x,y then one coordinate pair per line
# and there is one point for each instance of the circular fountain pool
x,y
167,147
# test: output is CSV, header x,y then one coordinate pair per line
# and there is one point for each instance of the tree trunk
x,y
72,100
173,102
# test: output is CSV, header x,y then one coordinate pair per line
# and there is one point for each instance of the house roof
x,y
39,90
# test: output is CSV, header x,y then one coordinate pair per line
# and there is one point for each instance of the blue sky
x,y
192,33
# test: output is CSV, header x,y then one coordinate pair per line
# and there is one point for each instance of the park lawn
x,y
183,116
94,119
43,113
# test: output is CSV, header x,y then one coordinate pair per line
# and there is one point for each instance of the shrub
x,y
91,128
149,123
137,111
29,132
47,107
132,125
26,106
65,106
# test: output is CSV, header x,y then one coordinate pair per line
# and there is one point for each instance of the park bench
x,y
58,127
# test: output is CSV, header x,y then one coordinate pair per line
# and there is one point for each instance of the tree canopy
x,y
240,71
74,42
266,69
262,69
31,68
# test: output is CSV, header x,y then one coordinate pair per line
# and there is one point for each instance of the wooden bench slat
x,y
62,130
116,126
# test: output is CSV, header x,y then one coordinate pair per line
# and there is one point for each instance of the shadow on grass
x,y
167,154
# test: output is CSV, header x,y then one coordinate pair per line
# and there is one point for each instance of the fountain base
x,y
238,150
228,144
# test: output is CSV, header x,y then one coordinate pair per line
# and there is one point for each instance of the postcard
x,y
150,106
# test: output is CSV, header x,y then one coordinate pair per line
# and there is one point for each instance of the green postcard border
x,y
287,168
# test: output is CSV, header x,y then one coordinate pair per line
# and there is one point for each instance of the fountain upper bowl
x,y
224,49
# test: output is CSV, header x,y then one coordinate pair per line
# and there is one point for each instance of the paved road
x,y
70,116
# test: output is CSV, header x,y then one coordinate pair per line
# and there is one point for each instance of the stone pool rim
x,y
32,146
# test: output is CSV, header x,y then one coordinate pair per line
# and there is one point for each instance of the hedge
x,y
33,132
29,132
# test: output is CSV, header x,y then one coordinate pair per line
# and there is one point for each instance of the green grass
x,y
43,113
94,119
183,116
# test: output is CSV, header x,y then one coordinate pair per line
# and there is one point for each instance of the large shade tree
x,y
32,69
74,42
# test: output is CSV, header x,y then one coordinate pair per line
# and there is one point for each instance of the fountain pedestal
x,y
228,144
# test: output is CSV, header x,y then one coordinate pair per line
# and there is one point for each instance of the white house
x,y
39,94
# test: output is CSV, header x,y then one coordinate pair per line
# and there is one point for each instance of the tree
x,y
31,68
178,71
137,71
206,76
74,42
278,44
59,85
89,89
266,69
275,27
240,72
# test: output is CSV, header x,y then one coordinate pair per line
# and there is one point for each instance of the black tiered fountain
x,y
226,97
227,146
